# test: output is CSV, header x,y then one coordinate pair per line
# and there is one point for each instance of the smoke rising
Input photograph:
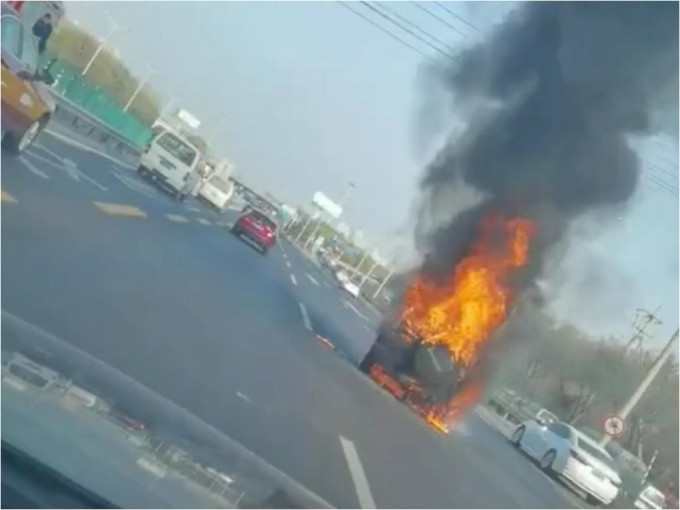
x,y
548,102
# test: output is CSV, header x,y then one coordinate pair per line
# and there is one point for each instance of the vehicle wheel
x,y
517,435
17,143
547,461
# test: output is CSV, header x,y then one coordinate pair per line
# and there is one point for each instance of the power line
x,y
441,5
383,29
382,14
419,6
643,319
416,27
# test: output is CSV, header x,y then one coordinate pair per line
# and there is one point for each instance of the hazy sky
x,y
316,97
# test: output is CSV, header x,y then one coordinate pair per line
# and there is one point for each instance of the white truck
x,y
217,189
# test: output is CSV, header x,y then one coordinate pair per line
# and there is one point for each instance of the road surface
x,y
161,291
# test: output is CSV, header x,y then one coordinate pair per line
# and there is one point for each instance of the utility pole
x,y
102,42
643,320
141,84
646,382
303,229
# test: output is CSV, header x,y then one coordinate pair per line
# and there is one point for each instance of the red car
x,y
257,229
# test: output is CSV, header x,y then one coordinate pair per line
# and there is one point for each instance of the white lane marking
x,y
367,328
135,186
68,166
288,264
311,279
243,397
86,148
32,168
354,309
292,279
305,317
356,470
48,151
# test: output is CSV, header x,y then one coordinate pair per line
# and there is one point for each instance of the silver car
x,y
563,450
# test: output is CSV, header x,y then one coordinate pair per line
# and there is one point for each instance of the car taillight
x,y
576,455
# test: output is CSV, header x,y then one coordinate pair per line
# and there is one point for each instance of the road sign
x,y
614,425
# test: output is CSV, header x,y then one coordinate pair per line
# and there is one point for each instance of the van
x,y
216,191
170,160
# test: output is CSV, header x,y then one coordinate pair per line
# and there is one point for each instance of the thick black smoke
x,y
548,102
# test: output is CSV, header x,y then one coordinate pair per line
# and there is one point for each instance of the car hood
x,y
117,438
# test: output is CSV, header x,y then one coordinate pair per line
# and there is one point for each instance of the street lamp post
x,y
140,85
114,28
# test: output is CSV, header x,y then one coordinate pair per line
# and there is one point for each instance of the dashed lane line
x,y
288,264
292,279
355,310
32,168
305,317
7,198
68,166
203,221
356,470
47,150
120,209
177,218
311,279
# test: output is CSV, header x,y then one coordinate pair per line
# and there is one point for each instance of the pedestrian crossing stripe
x,y
7,198
177,218
120,209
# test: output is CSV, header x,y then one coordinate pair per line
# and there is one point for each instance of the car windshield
x,y
179,149
350,254
595,451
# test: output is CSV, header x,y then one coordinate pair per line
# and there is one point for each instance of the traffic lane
x,y
332,312
80,173
214,329
228,346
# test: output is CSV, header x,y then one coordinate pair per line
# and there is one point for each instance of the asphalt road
x,y
161,291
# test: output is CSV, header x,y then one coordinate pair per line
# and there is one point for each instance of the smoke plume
x,y
548,102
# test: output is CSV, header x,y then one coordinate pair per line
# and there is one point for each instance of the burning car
x,y
427,353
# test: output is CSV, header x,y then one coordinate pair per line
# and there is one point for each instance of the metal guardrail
x,y
77,121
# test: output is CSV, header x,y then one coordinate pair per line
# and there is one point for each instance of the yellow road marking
x,y
177,218
6,197
203,221
120,209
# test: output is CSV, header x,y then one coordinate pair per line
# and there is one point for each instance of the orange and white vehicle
x,y
27,104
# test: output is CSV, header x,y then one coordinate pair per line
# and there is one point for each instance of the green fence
x,y
74,87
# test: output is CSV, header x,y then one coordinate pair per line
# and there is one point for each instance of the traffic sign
x,y
614,425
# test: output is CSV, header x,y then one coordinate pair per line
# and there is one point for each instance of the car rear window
x,y
175,146
258,216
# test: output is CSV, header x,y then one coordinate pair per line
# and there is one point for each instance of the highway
x,y
163,292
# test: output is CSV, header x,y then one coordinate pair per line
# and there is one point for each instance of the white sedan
x,y
565,451
351,288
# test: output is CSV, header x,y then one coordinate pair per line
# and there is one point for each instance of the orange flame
x,y
463,312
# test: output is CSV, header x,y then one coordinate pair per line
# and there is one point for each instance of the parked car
x,y
170,160
26,101
351,288
563,450
257,229
650,497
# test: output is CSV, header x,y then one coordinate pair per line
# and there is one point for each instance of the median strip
x,y
7,198
120,210
177,218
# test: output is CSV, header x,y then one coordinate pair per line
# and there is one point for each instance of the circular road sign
x,y
614,425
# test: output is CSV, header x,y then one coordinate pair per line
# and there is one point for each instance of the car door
x,y
21,102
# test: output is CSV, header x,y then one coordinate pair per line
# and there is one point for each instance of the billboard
x,y
326,205
188,119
